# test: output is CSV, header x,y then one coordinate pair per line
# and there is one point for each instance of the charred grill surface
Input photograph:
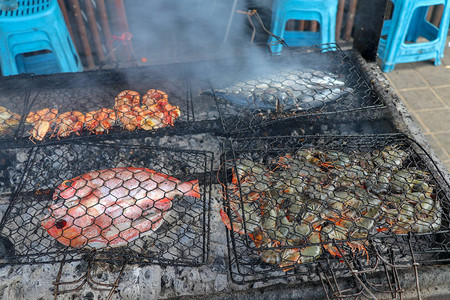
x,y
55,212
348,208
295,203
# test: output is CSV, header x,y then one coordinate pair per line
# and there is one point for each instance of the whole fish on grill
x,y
112,207
285,90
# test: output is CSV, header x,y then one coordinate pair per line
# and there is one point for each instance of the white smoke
x,y
187,30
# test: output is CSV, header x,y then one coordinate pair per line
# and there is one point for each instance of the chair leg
x,y
385,67
437,61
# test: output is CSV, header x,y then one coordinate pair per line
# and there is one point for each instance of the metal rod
x,y
388,280
350,19
230,20
122,17
93,28
339,18
415,264
395,274
58,277
322,281
334,279
83,34
116,283
105,27
63,7
354,272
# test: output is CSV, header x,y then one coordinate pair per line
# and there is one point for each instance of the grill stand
x,y
87,278
399,280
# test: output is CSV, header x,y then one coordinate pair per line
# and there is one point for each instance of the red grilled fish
x,y
113,207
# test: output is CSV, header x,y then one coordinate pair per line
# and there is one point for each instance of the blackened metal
x,y
91,91
367,29
249,157
182,239
14,95
309,83
87,278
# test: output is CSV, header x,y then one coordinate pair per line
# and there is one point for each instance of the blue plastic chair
x,y
322,11
407,24
36,26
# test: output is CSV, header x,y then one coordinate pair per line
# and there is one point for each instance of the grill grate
x,y
14,98
96,103
295,201
312,82
58,209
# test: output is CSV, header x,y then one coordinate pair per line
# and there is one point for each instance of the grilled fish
x,y
112,207
285,90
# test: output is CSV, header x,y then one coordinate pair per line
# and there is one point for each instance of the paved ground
x,y
425,91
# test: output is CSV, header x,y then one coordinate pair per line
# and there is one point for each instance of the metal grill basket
x,y
14,99
90,98
133,203
296,202
309,83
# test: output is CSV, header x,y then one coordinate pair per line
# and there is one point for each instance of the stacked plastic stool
x,y
34,39
407,24
322,11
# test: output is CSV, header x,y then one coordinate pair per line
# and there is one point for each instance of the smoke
x,y
176,31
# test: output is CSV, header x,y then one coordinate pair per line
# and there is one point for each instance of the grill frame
x,y
332,59
398,249
32,185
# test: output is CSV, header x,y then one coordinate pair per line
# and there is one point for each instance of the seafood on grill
x,y
8,120
127,98
42,120
112,207
68,123
101,120
153,96
285,90
154,113
157,101
294,206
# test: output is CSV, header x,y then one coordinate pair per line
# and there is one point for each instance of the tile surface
x,y
425,91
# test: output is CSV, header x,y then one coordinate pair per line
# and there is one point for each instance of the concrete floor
x,y
425,91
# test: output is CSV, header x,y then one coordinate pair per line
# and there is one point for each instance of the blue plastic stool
x,y
35,26
407,24
322,11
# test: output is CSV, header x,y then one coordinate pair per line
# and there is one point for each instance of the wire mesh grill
x,y
309,82
14,97
131,101
141,204
295,201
